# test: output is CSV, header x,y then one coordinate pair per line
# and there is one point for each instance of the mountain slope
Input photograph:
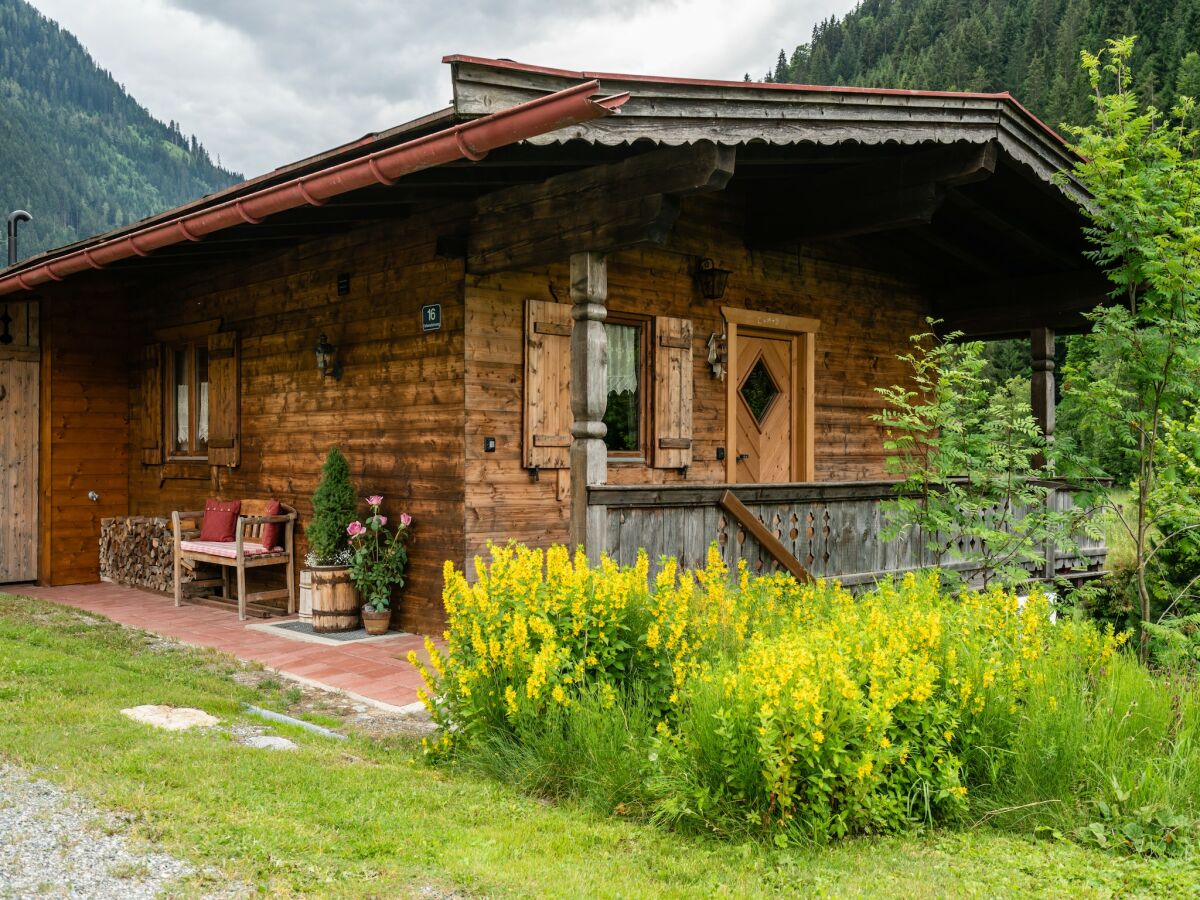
x,y
1028,47
75,149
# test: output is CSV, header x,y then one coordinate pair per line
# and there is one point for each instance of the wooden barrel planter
x,y
335,603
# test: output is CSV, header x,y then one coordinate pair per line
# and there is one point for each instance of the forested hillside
x,y
75,149
1028,47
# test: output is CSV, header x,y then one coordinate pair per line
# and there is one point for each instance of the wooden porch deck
x,y
375,671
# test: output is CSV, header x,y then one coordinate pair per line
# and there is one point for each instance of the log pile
x,y
138,551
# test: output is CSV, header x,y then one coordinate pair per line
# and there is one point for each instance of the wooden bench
x,y
244,552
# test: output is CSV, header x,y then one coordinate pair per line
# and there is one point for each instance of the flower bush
x,y
766,706
380,555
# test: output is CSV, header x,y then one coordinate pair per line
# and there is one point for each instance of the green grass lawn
x,y
369,818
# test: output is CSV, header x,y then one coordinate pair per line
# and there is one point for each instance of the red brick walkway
x,y
375,670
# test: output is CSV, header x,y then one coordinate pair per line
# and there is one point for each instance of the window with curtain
x,y
623,415
188,395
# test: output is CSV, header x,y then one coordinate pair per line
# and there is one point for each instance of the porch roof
x,y
673,111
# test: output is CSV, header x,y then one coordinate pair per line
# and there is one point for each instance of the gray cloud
x,y
266,82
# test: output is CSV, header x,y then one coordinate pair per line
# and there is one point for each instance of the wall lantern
x,y
711,280
327,363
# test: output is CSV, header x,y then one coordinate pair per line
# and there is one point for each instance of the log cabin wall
x,y
866,320
84,440
396,412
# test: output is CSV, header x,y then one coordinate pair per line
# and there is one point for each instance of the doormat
x,y
303,631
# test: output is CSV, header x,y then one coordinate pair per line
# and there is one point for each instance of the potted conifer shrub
x,y
335,504
378,564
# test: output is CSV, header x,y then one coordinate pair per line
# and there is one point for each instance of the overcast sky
x,y
267,82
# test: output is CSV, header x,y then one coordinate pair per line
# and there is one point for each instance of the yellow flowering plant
x,y
800,711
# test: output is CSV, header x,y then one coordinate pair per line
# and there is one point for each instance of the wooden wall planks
x,y
866,320
412,409
396,412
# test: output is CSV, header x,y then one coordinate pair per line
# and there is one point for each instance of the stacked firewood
x,y
138,551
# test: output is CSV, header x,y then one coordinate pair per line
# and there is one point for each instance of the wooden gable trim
x,y
675,111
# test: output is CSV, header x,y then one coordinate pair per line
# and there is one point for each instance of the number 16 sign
x,y
431,317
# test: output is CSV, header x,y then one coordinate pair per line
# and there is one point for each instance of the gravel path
x,y
57,845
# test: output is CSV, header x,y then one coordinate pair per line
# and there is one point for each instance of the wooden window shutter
x,y
153,435
672,393
547,385
224,432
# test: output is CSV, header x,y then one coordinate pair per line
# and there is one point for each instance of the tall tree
x,y
1139,368
1029,47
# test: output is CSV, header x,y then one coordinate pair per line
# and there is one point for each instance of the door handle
x,y
742,457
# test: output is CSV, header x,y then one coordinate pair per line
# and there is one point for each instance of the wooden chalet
x,y
615,310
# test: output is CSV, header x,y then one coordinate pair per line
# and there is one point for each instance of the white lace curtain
x,y
623,358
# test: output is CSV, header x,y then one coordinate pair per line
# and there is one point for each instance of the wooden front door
x,y
765,410
769,397
18,469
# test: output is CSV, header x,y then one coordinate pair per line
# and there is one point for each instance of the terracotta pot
x,y
376,622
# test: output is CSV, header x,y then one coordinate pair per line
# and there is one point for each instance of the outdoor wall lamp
x,y
327,363
711,280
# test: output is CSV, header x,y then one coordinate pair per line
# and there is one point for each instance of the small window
x,y
625,414
188,400
759,391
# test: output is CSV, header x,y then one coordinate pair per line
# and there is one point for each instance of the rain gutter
x,y
471,140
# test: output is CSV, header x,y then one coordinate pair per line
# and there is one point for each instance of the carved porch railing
x,y
832,529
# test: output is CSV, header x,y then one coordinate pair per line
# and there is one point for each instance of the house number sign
x,y
431,317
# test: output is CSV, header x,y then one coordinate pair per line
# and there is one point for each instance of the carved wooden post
x,y
589,398
1041,341
1041,344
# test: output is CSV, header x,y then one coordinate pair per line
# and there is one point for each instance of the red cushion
x,y
220,519
272,535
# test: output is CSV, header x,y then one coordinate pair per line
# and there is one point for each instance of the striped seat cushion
x,y
223,548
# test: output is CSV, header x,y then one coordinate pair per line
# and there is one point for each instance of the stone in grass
x,y
171,718
269,742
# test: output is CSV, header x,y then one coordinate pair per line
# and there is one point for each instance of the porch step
x,y
256,610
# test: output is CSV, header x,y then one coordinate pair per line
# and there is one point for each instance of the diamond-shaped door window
x,y
759,391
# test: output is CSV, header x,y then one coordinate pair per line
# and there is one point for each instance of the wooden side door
x,y
765,409
19,426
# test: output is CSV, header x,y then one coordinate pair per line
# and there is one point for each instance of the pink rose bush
x,y
380,555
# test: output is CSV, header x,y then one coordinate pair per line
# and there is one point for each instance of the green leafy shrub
x,y
1145,831
335,504
973,465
